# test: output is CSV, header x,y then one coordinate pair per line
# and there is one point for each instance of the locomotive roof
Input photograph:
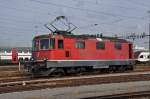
x,y
84,36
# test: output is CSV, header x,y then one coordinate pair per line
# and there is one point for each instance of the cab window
x,y
35,45
52,43
44,44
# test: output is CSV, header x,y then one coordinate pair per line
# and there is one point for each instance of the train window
x,y
19,51
118,45
52,43
26,59
8,50
25,51
148,56
44,44
21,59
35,45
60,44
3,51
100,45
80,44
141,56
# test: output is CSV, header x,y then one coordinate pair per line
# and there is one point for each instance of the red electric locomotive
x,y
62,52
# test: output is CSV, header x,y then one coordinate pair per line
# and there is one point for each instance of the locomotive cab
x,y
42,46
46,50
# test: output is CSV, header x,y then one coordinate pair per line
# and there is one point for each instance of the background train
x,y
142,57
14,55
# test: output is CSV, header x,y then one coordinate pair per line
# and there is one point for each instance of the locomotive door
x,y
130,51
65,48
67,53
68,50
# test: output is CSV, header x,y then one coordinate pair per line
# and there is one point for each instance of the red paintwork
x,y
14,56
89,53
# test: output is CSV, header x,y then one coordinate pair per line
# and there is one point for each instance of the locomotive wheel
x,y
130,68
121,68
58,73
112,69
80,70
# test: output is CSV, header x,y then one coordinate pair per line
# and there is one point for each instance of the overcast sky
x,y
21,20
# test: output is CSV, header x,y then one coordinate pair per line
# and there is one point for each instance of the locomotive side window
x,y
60,44
100,45
44,44
80,44
118,45
52,43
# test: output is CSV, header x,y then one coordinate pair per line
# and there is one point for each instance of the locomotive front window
x,y
44,44
52,43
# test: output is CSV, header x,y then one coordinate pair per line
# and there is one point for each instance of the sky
x,y
21,20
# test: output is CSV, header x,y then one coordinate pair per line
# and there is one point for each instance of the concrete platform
x,y
80,91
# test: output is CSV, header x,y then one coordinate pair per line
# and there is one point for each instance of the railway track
x,y
9,67
142,67
72,81
133,95
9,73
